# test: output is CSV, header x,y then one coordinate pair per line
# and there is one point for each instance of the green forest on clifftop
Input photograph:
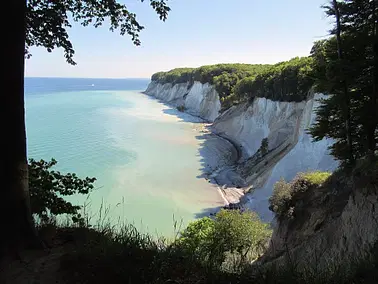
x,y
284,81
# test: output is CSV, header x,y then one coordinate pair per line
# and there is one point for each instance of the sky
x,y
197,32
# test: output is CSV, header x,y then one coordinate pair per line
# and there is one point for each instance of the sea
x,y
144,154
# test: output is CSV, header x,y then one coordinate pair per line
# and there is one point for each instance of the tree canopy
x,y
43,23
346,68
231,232
235,83
47,21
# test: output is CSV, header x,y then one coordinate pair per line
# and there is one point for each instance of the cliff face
x,y
199,99
336,223
284,124
290,148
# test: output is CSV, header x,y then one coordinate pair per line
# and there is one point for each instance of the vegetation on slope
x,y
222,76
286,194
208,250
346,67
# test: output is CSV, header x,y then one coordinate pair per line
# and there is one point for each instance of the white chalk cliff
x,y
291,149
199,99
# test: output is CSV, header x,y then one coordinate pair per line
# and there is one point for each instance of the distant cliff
x,y
199,99
282,119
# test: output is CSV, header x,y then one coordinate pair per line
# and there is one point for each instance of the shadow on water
x,y
217,154
185,117
172,110
207,212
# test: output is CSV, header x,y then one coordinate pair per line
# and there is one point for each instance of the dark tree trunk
x,y
17,228
346,111
372,143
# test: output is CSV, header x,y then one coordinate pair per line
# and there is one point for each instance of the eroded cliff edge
x,y
331,228
290,148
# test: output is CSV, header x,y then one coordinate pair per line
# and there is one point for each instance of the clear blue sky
x,y
197,32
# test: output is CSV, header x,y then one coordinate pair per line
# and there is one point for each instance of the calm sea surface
x,y
145,157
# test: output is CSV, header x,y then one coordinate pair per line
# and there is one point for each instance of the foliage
x,y
235,83
47,21
286,194
264,148
196,237
351,80
316,177
238,232
103,253
284,81
231,233
280,198
175,76
181,108
48,187
222,76
225,76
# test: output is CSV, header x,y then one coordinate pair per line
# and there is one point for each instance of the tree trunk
x,y
17,230
372,143
347,116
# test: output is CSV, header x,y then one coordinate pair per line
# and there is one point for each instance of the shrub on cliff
x,y
181,108
282,202
230,240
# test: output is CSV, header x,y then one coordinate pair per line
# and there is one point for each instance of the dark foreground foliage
x,y
48,187
130,257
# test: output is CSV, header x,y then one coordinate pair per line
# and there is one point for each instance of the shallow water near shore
x,y
145,155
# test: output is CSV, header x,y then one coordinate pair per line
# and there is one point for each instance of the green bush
x,y
195,239
264,148
280,198
48,187
316,177
285,194
181,108
231,236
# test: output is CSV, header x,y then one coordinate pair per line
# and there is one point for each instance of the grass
x,y
121,254
126,256
316,177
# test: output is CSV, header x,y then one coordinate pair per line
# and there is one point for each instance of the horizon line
x,y
111,78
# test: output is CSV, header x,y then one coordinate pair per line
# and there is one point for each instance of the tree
x,y
231,232
361,20
264,148
349,75
333,10
47,187
196,237
42,23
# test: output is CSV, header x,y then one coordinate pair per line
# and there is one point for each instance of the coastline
x,y
230,195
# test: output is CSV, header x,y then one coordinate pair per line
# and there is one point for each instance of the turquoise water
x,y
145,157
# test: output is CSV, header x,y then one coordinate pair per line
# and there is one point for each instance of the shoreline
x,y
230,195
